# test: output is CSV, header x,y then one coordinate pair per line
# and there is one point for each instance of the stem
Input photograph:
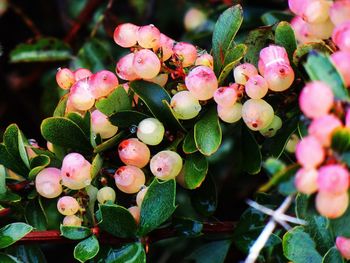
x,y
101,18
26,19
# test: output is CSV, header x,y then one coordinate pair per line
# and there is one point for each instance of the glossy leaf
x,y
35,216
82,122
211,252
37,164
4,258
127,119
133,253
332,256
285,37
110,143
86,249
10,162
189,144
303,50
275,17
11,233
96,165
117,101
195,169
28,253
60,109
75,232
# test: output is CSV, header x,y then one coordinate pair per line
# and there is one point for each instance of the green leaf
x,y
251,152
189,144
211,252
60,109
339,225
11,233
10,197
285,37
195,169
299,247
86,249
127,119
64,132
332,256
35,215
75,232
319,67
10,162
96,165
110,143
82,122
130,253
157,206
37,164
341,140
8,259
224,33
207,133
154,96
204,198
3,174
117,101
274,17
303,50
42,50
27,253
117,221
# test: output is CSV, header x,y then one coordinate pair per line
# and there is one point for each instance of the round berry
x,y
343,243
279,77
101,125
333,179
226,96
341,59
166,165
272,56
125,35
272,129
332,206
140,196
146,64
166,45
230,114
340,12
133,152
243,72
302,31
194,18
316,11
185,105
68,205
322,30
306,181
256,87
82,73
80,95
292,143
202,82
48,183
72,220
125,69
150,131
65,78
129,179
205,60
309,152
257,114
106,194
148,37
186,53
323,127
102,83
136,213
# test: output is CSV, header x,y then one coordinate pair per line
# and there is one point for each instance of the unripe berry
x,y
341,36
302,31
194,18
340,12
332,206
75,171
65,78
82,73
343,244
306,181
47,182
341,61
80,95
140,196
146,64
148,37
272,129
106,194
201,82
102,83
125,35
323,127
272,56
160,79
72,220
67,205
136,213
166,45
322,30
316,11
256,87
166,165
133,152
205,60
292,143
185,105
124,68
150,131
100,124
230,114
243,72
279,77
309,152
226,96
333,179
186,53
257,114
129,179
316,99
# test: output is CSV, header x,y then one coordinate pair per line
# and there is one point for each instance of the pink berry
x,y
186,53
340,12
133,152
316,99
124,68
230,114
201,82
343,245
306,181
226,96
125,35
68,205
146,64
65,78
341,60
82,73
166,45
322,30
316,11
80,95
297,6
166,165
102,83
302,31
136,213
129,179
310,152
148,37
279,77
333,179
272,56
205,60
256,87
332,206
194,18
257,114
48,183
101,125
243,72
323,127
75,171
72,220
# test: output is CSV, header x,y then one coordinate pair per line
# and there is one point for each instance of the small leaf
x,y
274,17
110,143
303,50
189,144
37,164
195,169
96,165
82,122
86,249
341,140
207,133
127,119
117,101
35,215
75,232
11,233
204,198
251,152
157,206
284,36
211,252
60,109
132,253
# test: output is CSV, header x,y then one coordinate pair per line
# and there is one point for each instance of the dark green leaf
x,y
10,162
110,143
8,259
96,165
133,253
195,169
117,101
341,140
35,216
60,109
284,36
82,122
86,249
27,253
75,232
204,198
37,164
11,233
339,225
251,152
127,119
280,176
274,17
189,144
10,197
332,256
211,252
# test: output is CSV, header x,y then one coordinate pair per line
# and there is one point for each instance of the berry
x,y
297,6
160,79
80,95
256,87
124,68
323,127
194,18
150,131
333,179
166,45
340,12
140,196
316,11
230,114
322,30
302,31
65,78
166,165
148,37
272,129
257,114
146,64
309,152
106,194
343,245
102,83
279,77
101,125
133,152
306,181
75,171
129,179
205,60
47,183
125,35
186,53
272,56
202,82
72,220
67,205
226,96
341,59
332,206
243,72
82,73
292,143
136,213
185,105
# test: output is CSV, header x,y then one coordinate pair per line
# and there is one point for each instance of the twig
x,y
101,18
29,23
